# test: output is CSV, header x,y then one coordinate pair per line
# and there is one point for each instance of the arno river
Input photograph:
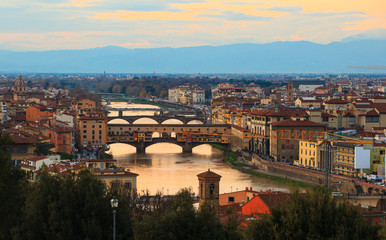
x,y
166,169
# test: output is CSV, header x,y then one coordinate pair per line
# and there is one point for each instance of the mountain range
x,y
276,57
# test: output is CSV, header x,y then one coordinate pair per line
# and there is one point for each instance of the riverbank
x,y
238,162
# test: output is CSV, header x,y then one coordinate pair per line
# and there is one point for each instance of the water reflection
x,y
164,168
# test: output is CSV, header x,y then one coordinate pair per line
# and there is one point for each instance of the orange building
x,y
263,203
37,113
92,130
85,104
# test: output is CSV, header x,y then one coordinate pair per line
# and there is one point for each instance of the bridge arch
x,y
118,121
145,120
172,121
196,121
124,148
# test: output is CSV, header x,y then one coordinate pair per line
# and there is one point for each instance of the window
x,y
84,136
84,131
231,199
282,146
93,126
128,185
372,119
202,190
84,126
100,131
211,189
100,126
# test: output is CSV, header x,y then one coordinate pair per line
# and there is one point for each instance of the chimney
x,y
246,188
250,189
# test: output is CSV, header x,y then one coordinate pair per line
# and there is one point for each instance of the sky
x,y
35,25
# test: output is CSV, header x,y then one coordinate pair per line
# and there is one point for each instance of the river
x,y
164,168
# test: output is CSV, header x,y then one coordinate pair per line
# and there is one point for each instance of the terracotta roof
x,y
381,107
240,128
336,101
37,158
273,199
372,113
21,139
327,115
208,174
293,123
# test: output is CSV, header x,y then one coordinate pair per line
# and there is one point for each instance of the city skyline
x,y
80,24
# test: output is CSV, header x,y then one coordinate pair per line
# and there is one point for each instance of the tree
x,y
64,155
314,215
71,208
43,148
179,220
12,190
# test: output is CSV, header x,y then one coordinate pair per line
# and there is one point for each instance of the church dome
x,y
20,82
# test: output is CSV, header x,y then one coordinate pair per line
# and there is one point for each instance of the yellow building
x,y
308,156
377,159
345,159
117,178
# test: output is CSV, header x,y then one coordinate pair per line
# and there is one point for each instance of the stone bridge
x,y
187,136
159,118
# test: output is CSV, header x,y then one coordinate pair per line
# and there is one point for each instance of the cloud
x,y
137,44
297,37
286,9
279,38
366,24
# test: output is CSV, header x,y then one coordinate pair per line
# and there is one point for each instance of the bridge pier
x,y
120,113
141,148
187,148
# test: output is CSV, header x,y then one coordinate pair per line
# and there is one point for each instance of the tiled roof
x,y
293,123
208,174
37,158
336,101
273,199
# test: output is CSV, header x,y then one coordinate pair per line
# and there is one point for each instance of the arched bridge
x,y
187,136
159,118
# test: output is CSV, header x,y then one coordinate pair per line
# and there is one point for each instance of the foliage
x,y
79,93
314,215
65,156
12,189
230,157
180,220
218,146
71,208
43,149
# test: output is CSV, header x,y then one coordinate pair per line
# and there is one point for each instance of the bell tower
x,y
209,189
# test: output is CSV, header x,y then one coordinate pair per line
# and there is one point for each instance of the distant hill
x,y
276,57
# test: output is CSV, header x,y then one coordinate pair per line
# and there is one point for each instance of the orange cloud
x,y
367,24
134,44
279,38
297,37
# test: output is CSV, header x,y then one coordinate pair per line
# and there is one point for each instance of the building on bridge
x,y
187,136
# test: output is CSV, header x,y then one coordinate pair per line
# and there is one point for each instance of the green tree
x,y
179,220
71,208
43,148
12,190
64,155
315,215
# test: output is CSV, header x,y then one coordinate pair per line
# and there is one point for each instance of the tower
x,y
209,189
291,91
278,96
